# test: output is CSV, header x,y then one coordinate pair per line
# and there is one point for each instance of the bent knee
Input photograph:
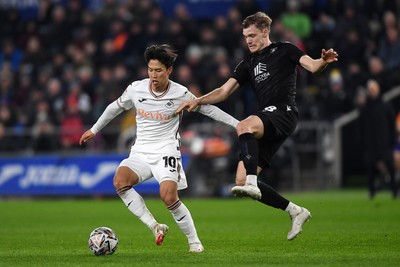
x,y
124,177
169,200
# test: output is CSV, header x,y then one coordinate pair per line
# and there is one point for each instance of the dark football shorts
x,y
279,124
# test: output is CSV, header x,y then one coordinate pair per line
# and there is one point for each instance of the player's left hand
x,y
329,55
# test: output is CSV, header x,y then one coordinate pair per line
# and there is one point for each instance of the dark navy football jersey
x,y
272,74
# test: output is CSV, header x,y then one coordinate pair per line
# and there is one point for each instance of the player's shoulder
x,y
177,88
139,84
287,45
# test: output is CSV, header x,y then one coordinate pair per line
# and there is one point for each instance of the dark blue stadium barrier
x,y
63,176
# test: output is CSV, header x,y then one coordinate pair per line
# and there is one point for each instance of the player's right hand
x,y
86,137
188,105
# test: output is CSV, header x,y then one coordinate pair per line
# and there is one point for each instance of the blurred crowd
x,y
59,71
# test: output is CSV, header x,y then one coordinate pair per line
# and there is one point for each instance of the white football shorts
x,y
161,166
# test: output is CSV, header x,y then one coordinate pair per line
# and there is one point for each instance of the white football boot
x,y
297,222
160,231
196,248
247,190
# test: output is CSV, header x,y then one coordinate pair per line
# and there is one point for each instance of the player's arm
x,y
109,113
318,65
217,114
217,95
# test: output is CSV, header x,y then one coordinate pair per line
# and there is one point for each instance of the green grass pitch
x,y
347,229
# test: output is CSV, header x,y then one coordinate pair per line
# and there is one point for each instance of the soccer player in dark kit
x,y
270,69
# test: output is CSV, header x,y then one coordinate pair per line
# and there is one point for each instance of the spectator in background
x,y
353,77
23,89
386,78
44,128
77,97
55,97
71,125
7,85
10,54
389,49
297,21
59,32
352,47
324,28
336,100
35,56
377,122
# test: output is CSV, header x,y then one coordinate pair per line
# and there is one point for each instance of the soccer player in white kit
x,y
156,150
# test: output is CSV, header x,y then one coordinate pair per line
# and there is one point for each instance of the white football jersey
x,y
157,123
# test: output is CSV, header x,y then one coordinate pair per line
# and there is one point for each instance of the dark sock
x,y
249,152
272,198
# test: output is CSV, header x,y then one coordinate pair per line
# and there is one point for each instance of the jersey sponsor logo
x,y
260,72
260,68
153,115
142,99
288,108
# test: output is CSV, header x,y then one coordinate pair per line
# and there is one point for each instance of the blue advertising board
x,y
204,8
29,9
63,176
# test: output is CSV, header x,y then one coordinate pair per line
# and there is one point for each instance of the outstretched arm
x,y
109,113
318,65
217,114
215,96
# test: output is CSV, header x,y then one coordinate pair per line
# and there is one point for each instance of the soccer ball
x,y
103,241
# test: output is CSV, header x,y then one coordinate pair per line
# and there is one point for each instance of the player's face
x,y
256,39
158,74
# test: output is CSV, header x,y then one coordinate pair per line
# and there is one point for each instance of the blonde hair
x,y
260,20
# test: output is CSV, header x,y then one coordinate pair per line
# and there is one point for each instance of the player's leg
x,y
298,215
124,179
248,130
180,213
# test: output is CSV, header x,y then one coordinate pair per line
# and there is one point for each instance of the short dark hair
x,y
260,20
162,53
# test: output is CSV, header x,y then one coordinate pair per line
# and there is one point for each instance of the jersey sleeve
x,y
217,114
213,112
125,101
109,113
240,73
294,52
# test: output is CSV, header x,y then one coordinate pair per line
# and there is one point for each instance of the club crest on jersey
x,y
169,104
260,72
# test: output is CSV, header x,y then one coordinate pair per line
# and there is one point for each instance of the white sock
x,y
251,179
135,203
184,220
292,208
